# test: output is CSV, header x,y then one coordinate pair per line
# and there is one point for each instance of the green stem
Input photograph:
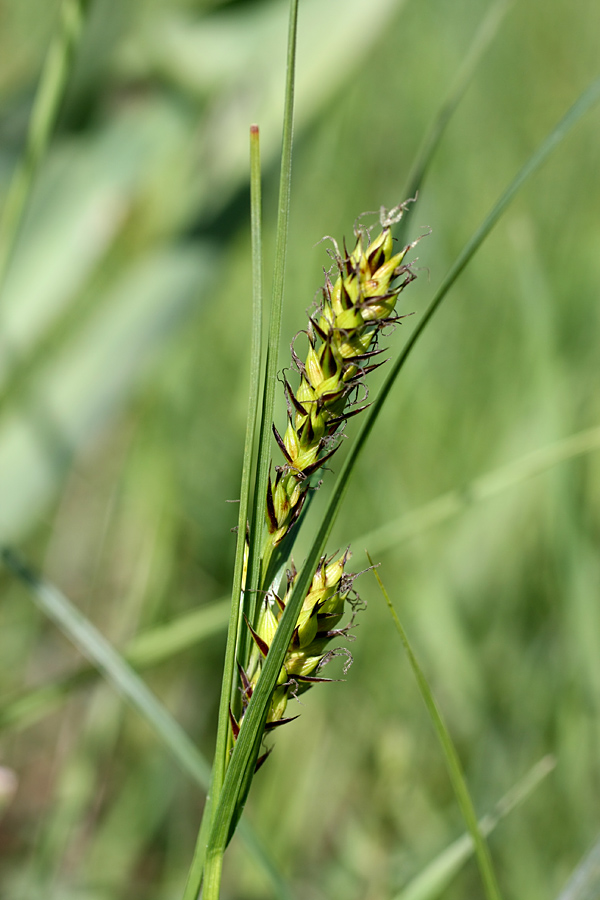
x,y
195,874
459,784
257,356
255,569
212,874
48,98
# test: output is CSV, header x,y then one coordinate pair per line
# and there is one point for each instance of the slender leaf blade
x,y
272,356
450,503
584,883
438,875
220,825
95,647
453,764
233,632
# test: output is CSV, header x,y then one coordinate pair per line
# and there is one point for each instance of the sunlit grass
x,y
123,440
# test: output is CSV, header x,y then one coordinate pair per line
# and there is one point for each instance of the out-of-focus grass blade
x,y
8,787
165,641
584,883
115,669
457,778
81,208
484,36
436,877
50,92
455,501
148,649
111,664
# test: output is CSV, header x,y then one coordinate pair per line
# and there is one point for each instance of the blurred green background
x,y
124,357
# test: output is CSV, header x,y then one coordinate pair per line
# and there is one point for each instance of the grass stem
x,y
457,778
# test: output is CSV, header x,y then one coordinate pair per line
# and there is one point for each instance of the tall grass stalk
x,y
225,807
434,879
253,422
213,837
267,637
477,833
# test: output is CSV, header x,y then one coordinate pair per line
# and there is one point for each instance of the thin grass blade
x,y
221,825
430,883
270,382
113,667
145,650
233,632
583,104
187,630
584,883
252,723
48,99
245,491
255,393
488,877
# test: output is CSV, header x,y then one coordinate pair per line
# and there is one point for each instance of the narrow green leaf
x,y
584,883
233,633
582,105
253,719
113,667
257,306
147,649
452,761
230,801
430,883
271,669
50,92
255,568
187,630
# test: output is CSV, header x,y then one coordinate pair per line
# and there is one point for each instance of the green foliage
x,y
124,357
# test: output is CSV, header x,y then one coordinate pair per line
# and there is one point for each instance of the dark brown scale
x,y
282,446
272,523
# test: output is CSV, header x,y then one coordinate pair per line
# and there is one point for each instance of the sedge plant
x,y
283,620
358,301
